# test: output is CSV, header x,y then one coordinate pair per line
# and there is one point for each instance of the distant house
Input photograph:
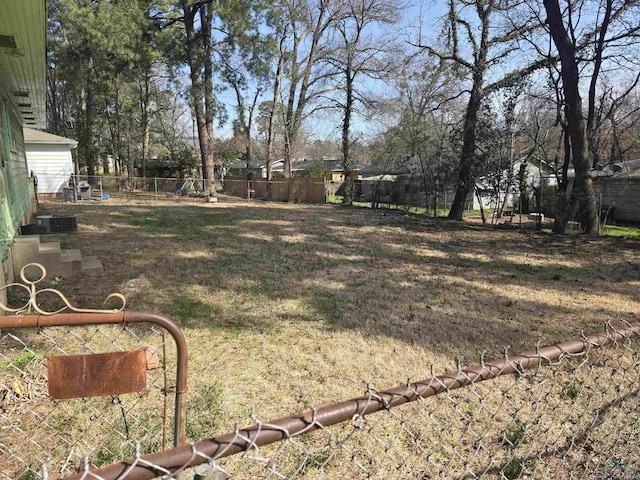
x,y
407,182
371,171
49,158
257,168
330,169
629,167
410,182
373,187
536,172
617,189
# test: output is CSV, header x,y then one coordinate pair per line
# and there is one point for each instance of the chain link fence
x,y
101,188
565,411
37,430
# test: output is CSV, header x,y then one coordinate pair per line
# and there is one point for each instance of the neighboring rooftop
x,y
252,164
328,165
629,166
37,136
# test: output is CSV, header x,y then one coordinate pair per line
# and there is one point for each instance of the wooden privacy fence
x,y
300,189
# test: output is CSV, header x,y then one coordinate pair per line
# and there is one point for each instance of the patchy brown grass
x,y
287,307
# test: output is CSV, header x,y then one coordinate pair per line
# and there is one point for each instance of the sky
x,y
327,126
422,16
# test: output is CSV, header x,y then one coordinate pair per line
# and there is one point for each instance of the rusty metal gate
x,y
80,383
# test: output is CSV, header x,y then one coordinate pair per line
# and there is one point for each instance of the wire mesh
x,y
36,429
566,411
60,185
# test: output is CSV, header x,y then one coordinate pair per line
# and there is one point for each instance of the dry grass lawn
x,y
287,307
290,307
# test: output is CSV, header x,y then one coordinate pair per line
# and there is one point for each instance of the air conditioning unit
x,y
32,229
51,224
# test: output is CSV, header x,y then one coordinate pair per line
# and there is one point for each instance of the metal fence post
x,y
155,184
600,214
520,215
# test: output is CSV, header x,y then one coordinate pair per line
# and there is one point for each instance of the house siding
x,y
15,186
404,190
53,165
16,191
22,77
622,195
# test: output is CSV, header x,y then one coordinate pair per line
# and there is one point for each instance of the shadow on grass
x,y
454,287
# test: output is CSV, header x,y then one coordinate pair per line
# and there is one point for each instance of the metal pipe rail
x,y
177,459
122,317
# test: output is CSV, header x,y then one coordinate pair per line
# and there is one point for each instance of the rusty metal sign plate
x,y
82,376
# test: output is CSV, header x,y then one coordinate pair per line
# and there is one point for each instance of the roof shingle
x,y
37,136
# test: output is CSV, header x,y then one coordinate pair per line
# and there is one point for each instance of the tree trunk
x,y
347,162
131,166
479,197
197,93
466,181
582,193
55,115
114,149
616,149
117,138
146,101
295,109
249,126
503,204
562,201
288,154
467,157
206,17
592,134
425,184
290,131
272,117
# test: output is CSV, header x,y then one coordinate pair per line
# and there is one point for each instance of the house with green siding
x,y
22,104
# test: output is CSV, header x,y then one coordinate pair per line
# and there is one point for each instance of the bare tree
x,y
488,46
358,54
280,37
616,32
201,74
612,111
418,125
582,192
244,66
303,48
615,28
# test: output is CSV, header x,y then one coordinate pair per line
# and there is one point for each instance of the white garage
x,y
49,158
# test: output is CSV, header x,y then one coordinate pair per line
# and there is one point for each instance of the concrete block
x,y
70,263
23,251
58,262
91,264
